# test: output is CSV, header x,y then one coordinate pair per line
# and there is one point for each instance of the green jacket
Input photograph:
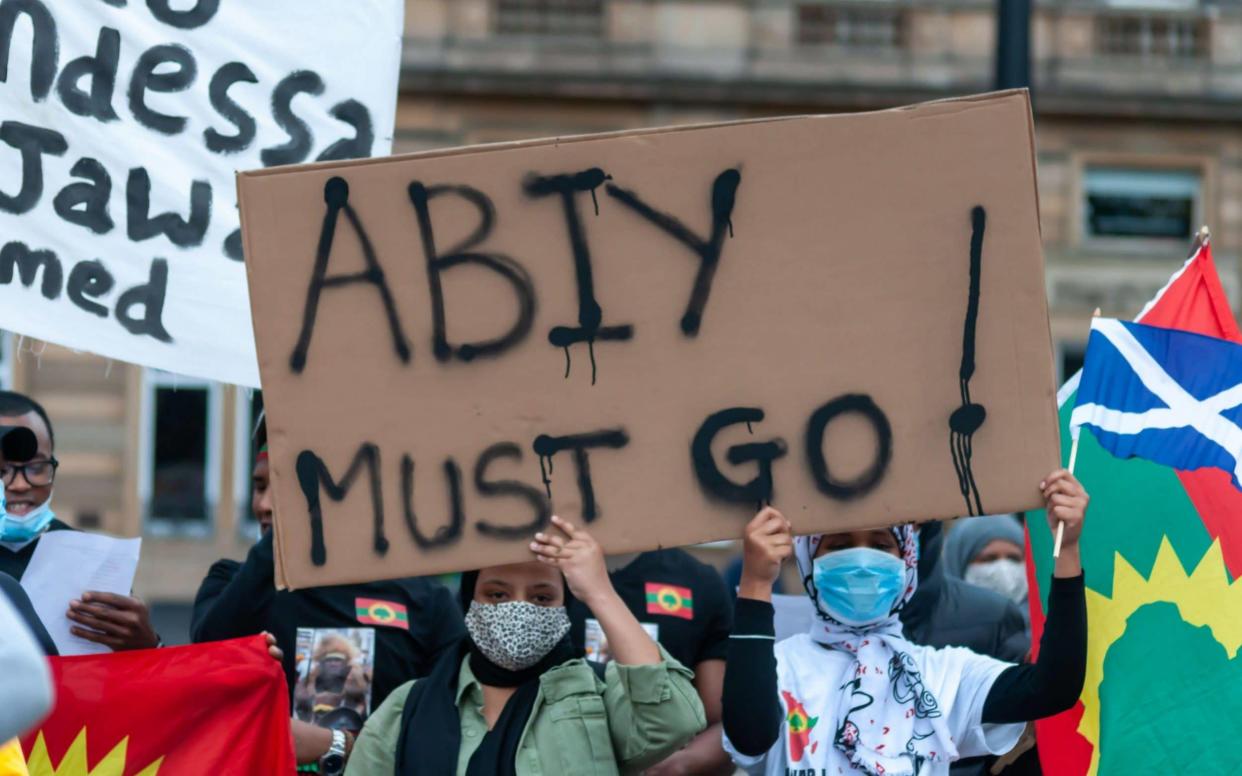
x,y
633,719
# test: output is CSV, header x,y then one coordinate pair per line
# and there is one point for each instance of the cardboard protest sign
x,y
123,126
651,333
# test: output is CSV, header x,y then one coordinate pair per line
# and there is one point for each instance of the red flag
x,y
200,710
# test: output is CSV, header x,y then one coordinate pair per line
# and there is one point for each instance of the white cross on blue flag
x,y
1172,397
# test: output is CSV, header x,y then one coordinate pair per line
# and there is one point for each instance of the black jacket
x,y
241,599
14,563
21,602
949,612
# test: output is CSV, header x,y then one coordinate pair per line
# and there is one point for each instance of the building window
x,y
550,18
7,347
1152,37
826,25
180,453
1140,203
249,404
1071,357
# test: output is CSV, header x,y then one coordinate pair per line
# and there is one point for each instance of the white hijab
x,y
903,726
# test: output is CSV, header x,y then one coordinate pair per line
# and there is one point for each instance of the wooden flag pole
x,y
1073,459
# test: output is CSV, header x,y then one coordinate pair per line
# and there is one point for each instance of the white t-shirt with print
x,y
811,675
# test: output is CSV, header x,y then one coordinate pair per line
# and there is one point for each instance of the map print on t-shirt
x,y
335,667
800,724
596,643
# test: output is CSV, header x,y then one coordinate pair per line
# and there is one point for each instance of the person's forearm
x,y
751,707
754,589
310,742
629,643
1054,682
703,756
1068,563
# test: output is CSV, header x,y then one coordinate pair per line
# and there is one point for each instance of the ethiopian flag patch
x,y
670,600
371,611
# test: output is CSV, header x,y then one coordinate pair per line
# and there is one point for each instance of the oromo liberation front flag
x,y
200,710
1172,397
672,600
1160,548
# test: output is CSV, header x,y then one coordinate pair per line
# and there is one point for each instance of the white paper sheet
x,y
66,564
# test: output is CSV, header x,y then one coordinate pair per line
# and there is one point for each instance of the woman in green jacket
x,y
517,699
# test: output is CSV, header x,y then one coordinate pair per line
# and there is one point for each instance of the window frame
x,y
1195,28
893,13
154,525
1138,247
8,341
1065,347
545,29
242,459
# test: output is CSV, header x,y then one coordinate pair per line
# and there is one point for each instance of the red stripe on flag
x,y
1062,749
1195,301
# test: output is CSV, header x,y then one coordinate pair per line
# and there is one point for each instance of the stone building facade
x,y
1138,111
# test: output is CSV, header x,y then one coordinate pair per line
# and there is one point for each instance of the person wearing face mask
x,y
517,698
117,621
947,611
853,695
987,551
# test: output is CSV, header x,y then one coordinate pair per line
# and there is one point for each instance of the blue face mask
x,y
26,527
859,586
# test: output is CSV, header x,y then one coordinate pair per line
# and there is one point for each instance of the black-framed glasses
x,y
36,473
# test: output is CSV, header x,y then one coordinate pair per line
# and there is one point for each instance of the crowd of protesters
x,y
916,661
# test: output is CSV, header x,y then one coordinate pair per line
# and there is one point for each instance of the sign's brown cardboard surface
x,y
844,314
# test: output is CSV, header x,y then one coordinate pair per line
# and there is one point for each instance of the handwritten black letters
x,y
746,474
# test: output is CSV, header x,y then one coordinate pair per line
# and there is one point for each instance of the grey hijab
x,y
970,535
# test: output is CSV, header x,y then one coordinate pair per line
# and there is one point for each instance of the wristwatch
x,y
333,763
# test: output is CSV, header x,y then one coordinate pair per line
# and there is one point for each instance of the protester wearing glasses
x,y
116,621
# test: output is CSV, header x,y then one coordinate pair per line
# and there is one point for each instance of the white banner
x,y
122,123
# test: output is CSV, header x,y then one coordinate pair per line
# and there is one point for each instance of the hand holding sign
x,y
579,558
767,542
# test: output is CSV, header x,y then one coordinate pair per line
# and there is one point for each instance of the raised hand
x,y
766,543
578,556
1065,502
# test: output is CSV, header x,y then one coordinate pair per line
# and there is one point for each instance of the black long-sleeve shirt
x,y
752,712
240,599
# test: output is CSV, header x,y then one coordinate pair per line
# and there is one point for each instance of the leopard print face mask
x,y
516,634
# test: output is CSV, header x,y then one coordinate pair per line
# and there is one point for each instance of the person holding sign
x,y
853,695
517,698
408,622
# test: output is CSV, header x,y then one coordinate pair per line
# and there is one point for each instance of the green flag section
x,y
1163,612
1155,645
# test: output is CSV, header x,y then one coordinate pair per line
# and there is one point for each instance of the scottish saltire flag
x,y
1171,397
